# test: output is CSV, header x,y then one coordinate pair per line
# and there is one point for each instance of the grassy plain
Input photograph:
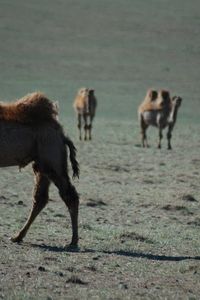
x,y
140,208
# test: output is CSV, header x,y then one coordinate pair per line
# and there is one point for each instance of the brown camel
x,y
85,105
159,110
30,132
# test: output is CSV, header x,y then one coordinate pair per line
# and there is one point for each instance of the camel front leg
x,y
169,136
39,202
160,138
143,127
144,138
85,127
79,126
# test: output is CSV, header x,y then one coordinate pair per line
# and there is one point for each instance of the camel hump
x,y
156,101
32,108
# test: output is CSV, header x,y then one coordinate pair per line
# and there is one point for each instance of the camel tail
x,y
72,156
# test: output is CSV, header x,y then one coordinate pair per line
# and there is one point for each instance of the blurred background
x,y
119,48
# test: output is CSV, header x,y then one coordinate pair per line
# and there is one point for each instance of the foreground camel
x,y
30,132
85,105
159,110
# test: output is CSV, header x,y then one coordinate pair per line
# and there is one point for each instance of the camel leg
x,y
85,127
90,131
70,197
79,127
143,127
90,128
144,138
143,135
169,136
40,199
160,138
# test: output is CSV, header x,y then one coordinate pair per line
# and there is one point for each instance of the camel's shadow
x,y
133,254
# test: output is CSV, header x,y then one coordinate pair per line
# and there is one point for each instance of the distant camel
x,y
159,110
85,105
30,132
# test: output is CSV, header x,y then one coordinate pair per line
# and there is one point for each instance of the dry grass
x,y
139,212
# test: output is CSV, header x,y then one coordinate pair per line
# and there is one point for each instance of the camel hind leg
x,y
70,197
40,199
85,127
90,127
143,127
79,126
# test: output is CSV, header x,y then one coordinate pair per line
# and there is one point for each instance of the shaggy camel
x,y
85,105
159,110
30,132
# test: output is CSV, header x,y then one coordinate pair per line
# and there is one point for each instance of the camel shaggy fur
x,y
85,105
30,132
160,110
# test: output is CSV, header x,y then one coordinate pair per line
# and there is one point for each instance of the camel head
x,y
81,100
83,92
176,101
175,104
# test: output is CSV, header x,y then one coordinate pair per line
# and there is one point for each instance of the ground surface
x,y
140,208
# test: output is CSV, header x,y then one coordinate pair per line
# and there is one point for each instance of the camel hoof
x,y
74,242
72,247
16,239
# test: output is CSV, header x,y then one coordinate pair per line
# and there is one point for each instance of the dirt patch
x,y
177,208
146,185
195,222
117,168
189,198
95,203
76,280
134,236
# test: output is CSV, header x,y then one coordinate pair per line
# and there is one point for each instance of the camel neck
x,y
173,113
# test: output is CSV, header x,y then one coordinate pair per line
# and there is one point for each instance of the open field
x,y
139,208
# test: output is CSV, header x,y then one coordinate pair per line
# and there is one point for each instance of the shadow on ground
x,y
124,253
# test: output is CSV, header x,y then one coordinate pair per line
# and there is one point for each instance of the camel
x,y
31,133
159,110
85,105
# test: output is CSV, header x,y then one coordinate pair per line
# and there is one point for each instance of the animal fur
x,y
41,141
155,101
160,111
35,107
85,105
